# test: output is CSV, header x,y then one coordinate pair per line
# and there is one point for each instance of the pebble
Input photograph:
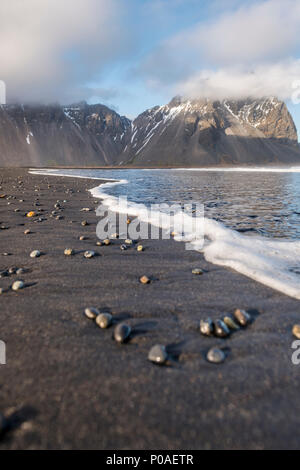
x,y
82,238
128,241
91,313
30,214
197,271
242,317
17,210
85,209
69,252
98,243
215,355
207,327
221,329
122,332
12,270
104,320
158,354
123,247
35,254
144,280
27,232
140,248
20,271
296,331
89,254
84,223
17,285
230,323
114,236
106,241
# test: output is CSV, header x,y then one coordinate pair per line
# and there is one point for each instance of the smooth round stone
x,y
230,323
216,356
17,285
98,243
221,330
82,238
17,210
139,248
122,332
158,354
91,313
197,271
242,317
27,232
123,247
20,271
145,280
296,331
69,252
106,241
128,241
12,270
85,209
30,214
35,254
89,254
207,327
104,320
84,223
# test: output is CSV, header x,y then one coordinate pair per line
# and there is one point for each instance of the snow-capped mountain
x,y
181,133
205,132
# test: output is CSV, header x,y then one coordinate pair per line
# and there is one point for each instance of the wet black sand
x,y
68,385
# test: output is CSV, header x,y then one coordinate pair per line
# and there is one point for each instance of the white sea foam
x,y
274,263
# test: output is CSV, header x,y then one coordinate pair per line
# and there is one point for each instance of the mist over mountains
x,y
189,133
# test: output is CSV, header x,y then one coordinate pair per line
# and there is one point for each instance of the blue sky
x,y
135,54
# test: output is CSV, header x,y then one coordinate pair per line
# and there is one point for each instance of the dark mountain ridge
x,y
186,133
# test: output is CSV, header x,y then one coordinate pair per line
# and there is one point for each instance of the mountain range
x,y
187,133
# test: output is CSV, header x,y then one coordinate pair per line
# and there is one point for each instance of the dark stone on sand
x,y
158,354
242,317
207,327
215,355
104,320
221,330
122,332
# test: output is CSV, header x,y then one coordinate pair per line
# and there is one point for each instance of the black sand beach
x,y
68,385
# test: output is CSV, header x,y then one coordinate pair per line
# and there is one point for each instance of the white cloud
x,y
48,48
263,80
251,50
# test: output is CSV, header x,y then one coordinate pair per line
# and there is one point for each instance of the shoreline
x,y
73,387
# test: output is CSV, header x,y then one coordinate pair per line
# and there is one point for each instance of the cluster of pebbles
x,y
222,328
16,285
122,332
